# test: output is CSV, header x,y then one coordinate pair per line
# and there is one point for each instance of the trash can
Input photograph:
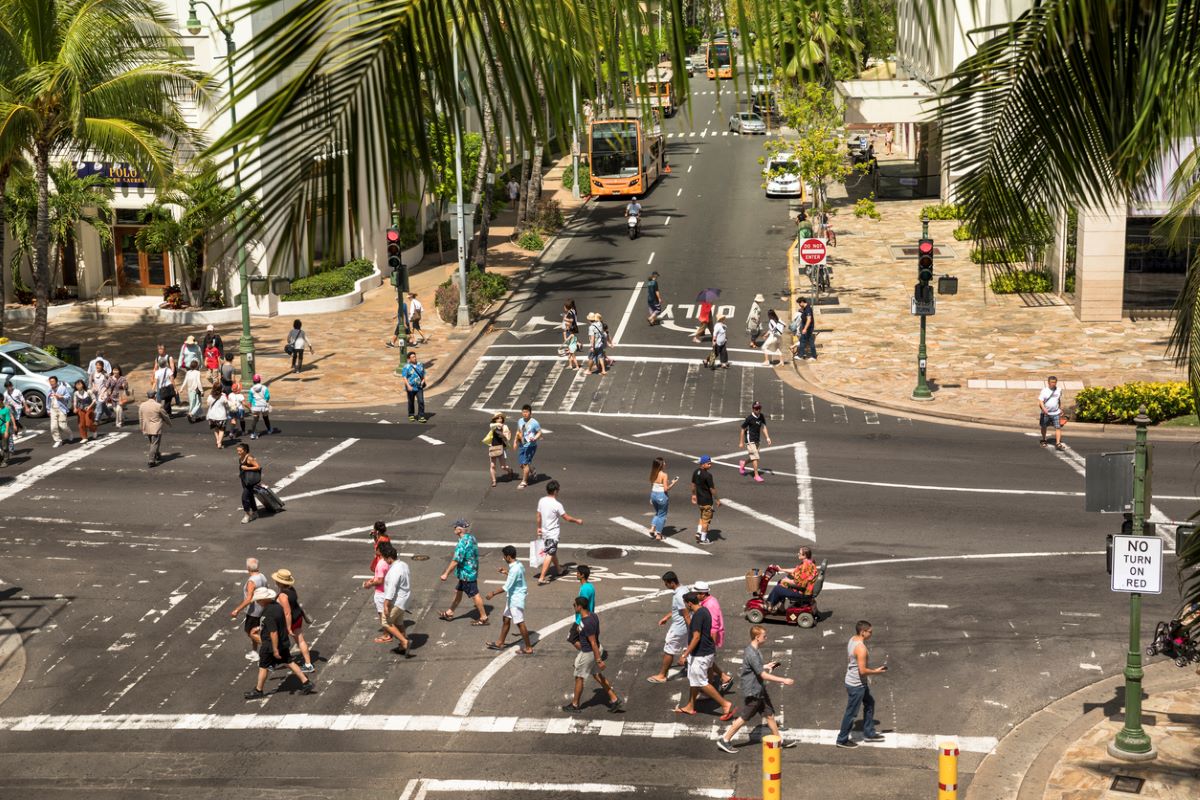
x,y
70,353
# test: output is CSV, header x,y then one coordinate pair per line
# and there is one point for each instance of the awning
x,y
886,102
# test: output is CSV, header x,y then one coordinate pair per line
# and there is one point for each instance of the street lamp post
x,y
246,342
921,392
464,314
1132,743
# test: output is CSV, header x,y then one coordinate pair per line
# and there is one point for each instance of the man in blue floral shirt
x,y
414,385
465,564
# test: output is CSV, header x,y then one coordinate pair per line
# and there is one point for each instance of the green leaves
x,y
1016,281
330,283
1121,403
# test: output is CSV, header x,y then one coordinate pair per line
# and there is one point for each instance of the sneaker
x,y
726,686
273,430
758,479
412,417
849,744
790,743
726,746
308,668
256,694
308,688
252,656
245,518
571,708
704,541
742,467
421,419
254,436
875,737
615,707
57,444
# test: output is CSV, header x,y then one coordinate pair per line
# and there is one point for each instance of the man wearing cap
x,y
465,564
151,417
654,299
698,656
754,427
274,650
719,676
599,340
704,495
213,339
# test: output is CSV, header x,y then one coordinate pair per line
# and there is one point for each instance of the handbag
x,y
251,477
289,349
535,552
495,450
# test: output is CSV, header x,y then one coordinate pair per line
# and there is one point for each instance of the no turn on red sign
x,y
812,252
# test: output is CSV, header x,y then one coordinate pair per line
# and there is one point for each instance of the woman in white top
x,y
218,413
497,439
660,485
770,345
297,341
193,391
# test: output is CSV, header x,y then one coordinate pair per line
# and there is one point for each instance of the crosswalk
x,y
676,388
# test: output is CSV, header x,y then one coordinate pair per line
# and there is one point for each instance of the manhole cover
x,y
419,557
603,553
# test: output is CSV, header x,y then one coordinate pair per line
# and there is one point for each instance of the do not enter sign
x,y
812,252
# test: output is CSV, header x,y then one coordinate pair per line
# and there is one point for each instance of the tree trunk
x,y
523,200
3,222
489,190
489,140
41,244
535,168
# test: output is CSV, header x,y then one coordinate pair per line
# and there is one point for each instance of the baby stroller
x,y
1174,640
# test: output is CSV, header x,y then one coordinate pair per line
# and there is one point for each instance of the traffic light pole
x,y
1132,743
400,281
922,391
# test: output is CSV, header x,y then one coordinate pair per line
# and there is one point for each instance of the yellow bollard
x,y
772,766
948,770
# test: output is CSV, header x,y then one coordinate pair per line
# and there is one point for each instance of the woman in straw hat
x,y
293,614
599,338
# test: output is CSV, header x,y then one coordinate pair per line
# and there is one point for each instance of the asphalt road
x,y
967,549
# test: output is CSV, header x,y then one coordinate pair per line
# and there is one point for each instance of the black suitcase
x,y
268,498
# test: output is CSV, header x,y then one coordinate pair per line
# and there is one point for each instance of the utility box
x,y
1109,483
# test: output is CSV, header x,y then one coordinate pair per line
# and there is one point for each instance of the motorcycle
x,y
634,223
802,612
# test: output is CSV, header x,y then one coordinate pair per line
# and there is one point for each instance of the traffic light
x,y
393,249
925,260
923,293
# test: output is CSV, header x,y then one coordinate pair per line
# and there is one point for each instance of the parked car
x,y
744,122
30,369
764,105
783,177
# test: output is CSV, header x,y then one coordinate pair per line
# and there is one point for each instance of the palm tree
x,y
89,76
12,164
804,37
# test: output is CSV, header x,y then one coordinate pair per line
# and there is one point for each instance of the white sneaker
x,y
57,444
252,656
245,519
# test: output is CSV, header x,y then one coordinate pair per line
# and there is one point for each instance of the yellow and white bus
x,y
659,90
720,60
626,155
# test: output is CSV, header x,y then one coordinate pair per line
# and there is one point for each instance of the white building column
x,y
1100,264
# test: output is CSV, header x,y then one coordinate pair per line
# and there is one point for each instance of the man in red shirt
x,y
797,583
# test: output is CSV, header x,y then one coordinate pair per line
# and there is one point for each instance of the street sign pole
x,y
1132,743
922,391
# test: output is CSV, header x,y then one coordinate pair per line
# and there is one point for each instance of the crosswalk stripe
x,y
717,404
689,388
808,410
493,384
454,398
839,413
747,392
515,395
568,401
59,462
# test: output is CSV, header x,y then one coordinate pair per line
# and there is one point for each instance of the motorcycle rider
x,y
796,583
634,209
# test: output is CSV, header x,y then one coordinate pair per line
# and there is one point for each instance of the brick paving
x,y
351,358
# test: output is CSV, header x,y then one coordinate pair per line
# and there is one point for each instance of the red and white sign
x,y
812,252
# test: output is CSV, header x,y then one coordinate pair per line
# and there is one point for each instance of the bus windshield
x,y
615,149
718,55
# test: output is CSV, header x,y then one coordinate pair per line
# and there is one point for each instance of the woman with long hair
x,y
570,323
660,485
771,346
218,413
85,411
497,439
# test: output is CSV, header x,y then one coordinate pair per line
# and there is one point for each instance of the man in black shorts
x,y
274,650
755,674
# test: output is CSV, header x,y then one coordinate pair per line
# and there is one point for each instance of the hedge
x,y
943,211
585,179
1120,403
483,288
330,283
998,255
1019,281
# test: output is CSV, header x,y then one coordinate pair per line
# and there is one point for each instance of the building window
x,y
1154,272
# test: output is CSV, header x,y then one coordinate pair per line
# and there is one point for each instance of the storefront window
x,y
1154,272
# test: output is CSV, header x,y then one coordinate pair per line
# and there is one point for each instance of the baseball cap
x,y
698,586
705,459
757,405
263,593
461,523
257,378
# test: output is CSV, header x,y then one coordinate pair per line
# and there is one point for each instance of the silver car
x,y
30,369
744,122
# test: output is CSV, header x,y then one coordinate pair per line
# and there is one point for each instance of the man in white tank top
x,y
857,688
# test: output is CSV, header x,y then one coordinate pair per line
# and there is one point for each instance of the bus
x,y
658,90
626,155
720,60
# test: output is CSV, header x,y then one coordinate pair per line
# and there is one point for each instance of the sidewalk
x,y
988,354
351,366
1060,753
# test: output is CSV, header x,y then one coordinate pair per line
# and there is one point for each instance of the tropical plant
x,y
1018,281
865,207
816,146
88,76
331,282
12,164
874,25
809,39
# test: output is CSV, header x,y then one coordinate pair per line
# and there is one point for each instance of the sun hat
x,y
263,593
758,298
700,586
190,340
283,576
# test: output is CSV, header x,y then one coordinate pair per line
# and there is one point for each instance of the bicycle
x,y
819,278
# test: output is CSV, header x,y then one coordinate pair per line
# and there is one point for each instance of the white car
x,y
744,122
783,177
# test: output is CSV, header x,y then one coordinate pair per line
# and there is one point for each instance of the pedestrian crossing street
x,y
677,388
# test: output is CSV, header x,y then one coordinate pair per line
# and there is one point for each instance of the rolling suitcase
x,y
268,498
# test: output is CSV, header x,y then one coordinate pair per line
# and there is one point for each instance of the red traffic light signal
x,y
925,260
393,235
393,249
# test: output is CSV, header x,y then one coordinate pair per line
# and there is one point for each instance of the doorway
x,y
137,269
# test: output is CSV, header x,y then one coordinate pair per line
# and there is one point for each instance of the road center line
x,y
302,470
342,488
59,462
679,192
340,536
769,520
637,290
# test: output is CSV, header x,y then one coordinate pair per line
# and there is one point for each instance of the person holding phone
x,y
857,687
755,675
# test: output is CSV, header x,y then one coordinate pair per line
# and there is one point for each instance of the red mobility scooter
x,y
802,612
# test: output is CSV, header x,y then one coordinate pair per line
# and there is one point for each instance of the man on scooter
x,y
634,209
795,584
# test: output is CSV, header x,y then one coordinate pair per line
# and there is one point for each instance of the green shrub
x,y
962,233
483,289
408,233
998,255
1069,283
943,211
548,216
531,240
1021,281
585,179
865,207
330,283
490,286
1120,403
52,350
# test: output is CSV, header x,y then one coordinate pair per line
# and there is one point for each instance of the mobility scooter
x,y
802,611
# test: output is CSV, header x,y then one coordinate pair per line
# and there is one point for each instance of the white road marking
x,y
340,536
62,461
806,516
672,543
870,417
342,488
636,589
1077,614
454,398
494,382
650,260
685,427
651,564
768,519
436,723
699,348
302,470
696,153
419,788
689,169
1079,464
637,290
622,359
927,605
568,401
1092,667
668,222
679,192
366,692
429,439
514,395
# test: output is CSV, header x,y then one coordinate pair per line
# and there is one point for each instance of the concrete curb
x,y
1022,763
12,659
544,259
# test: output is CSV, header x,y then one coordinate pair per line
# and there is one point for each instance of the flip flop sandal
x,y
493,646
1060,447
728,715
383,639
479,623
446,615
653,679
679,710
525,652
